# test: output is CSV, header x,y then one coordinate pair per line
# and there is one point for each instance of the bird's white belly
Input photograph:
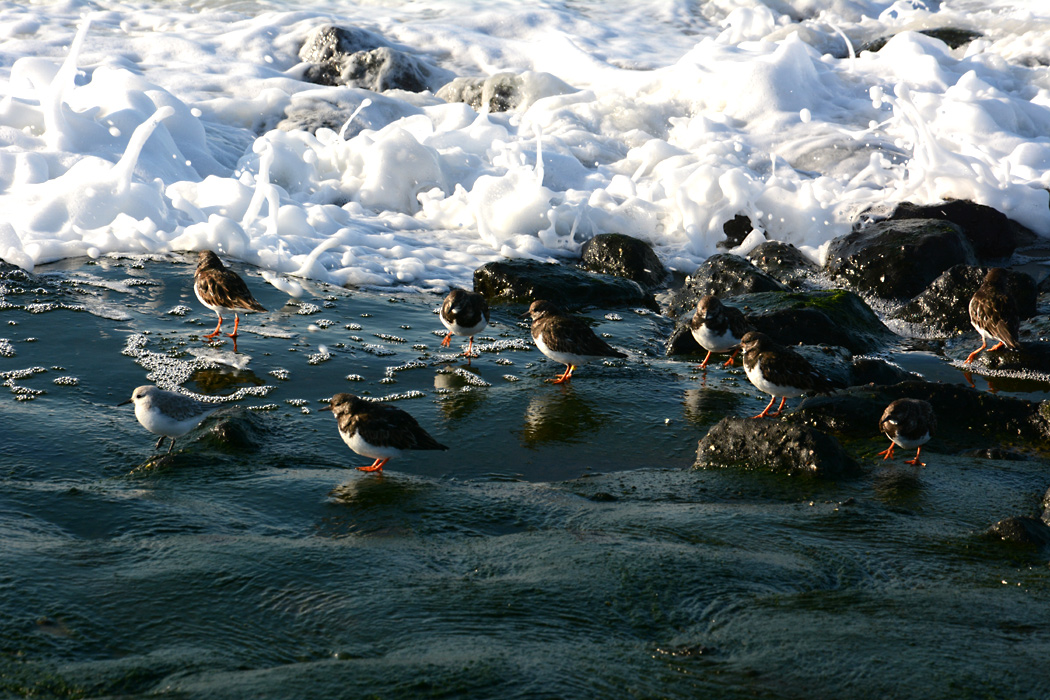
x,y
220,309
771,388
464,330
362,447
901,441
158,423
715,342
566,358
986,337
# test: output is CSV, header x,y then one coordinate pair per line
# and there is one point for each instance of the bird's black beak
x,y
527,314
124,403
326,408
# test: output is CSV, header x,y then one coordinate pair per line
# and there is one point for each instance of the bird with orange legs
x,y
221,289
566,339
993,312
378,431
908,423
778,371
464,313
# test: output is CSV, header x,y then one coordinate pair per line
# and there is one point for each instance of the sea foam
x,y
136,132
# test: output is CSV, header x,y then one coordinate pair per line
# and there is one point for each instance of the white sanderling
x,y
167,413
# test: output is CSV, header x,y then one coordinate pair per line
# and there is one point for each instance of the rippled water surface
x,y
561,548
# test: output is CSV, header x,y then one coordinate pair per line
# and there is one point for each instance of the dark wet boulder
x,y
898,259
832,362
682,342
783,262
943,307
827,316
724,275
1046,507
736,230
504,92
954,37
1020,530
329,43
379,70
966,418
874,370
995,453
991,233
772,445
523,281
1034,355
624,256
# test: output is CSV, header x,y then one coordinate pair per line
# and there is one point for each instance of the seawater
x,y
150,129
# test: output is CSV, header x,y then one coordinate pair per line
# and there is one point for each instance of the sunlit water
x,y
562,547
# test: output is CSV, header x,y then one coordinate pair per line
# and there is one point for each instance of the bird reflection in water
x,y
559,416
702,407
381,505
463,391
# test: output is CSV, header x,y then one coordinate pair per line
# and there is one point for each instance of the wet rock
x,y
774,446
1021,530
309,111
624,256
236,432
873,370
832,362
943,307
723,275
991,233
379,70
736,230
828,316
1046,507
898,259
682,342
954,37
523,281
966,418
504,92
995,453
330,43
783,262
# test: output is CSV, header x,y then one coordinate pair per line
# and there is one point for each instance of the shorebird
x,y
167,413
376,430
464,313
993,313
566,339
778,371
908,423
718,328
221,289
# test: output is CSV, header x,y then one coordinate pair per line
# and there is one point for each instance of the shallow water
x,y
561,548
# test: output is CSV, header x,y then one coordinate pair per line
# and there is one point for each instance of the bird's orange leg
x,y
998,345
984,344
916,462
236,322
216,331
377,466
470,346
564,377
765,411
888,452
447,341
703,365
780,408
729,362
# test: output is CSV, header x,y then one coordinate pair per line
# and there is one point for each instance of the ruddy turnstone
x,y
718,328
464,313
565,339
376,430
221,289
908,423
167,413
778,371
993,313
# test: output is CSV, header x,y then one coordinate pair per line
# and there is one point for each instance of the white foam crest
x,y
663,124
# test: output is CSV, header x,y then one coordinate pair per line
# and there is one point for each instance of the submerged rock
x,y
774,446
873,370
504,92
624,256
358,58
966,418
524,281
943,307
897,259
1021,530
828,317
954,37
